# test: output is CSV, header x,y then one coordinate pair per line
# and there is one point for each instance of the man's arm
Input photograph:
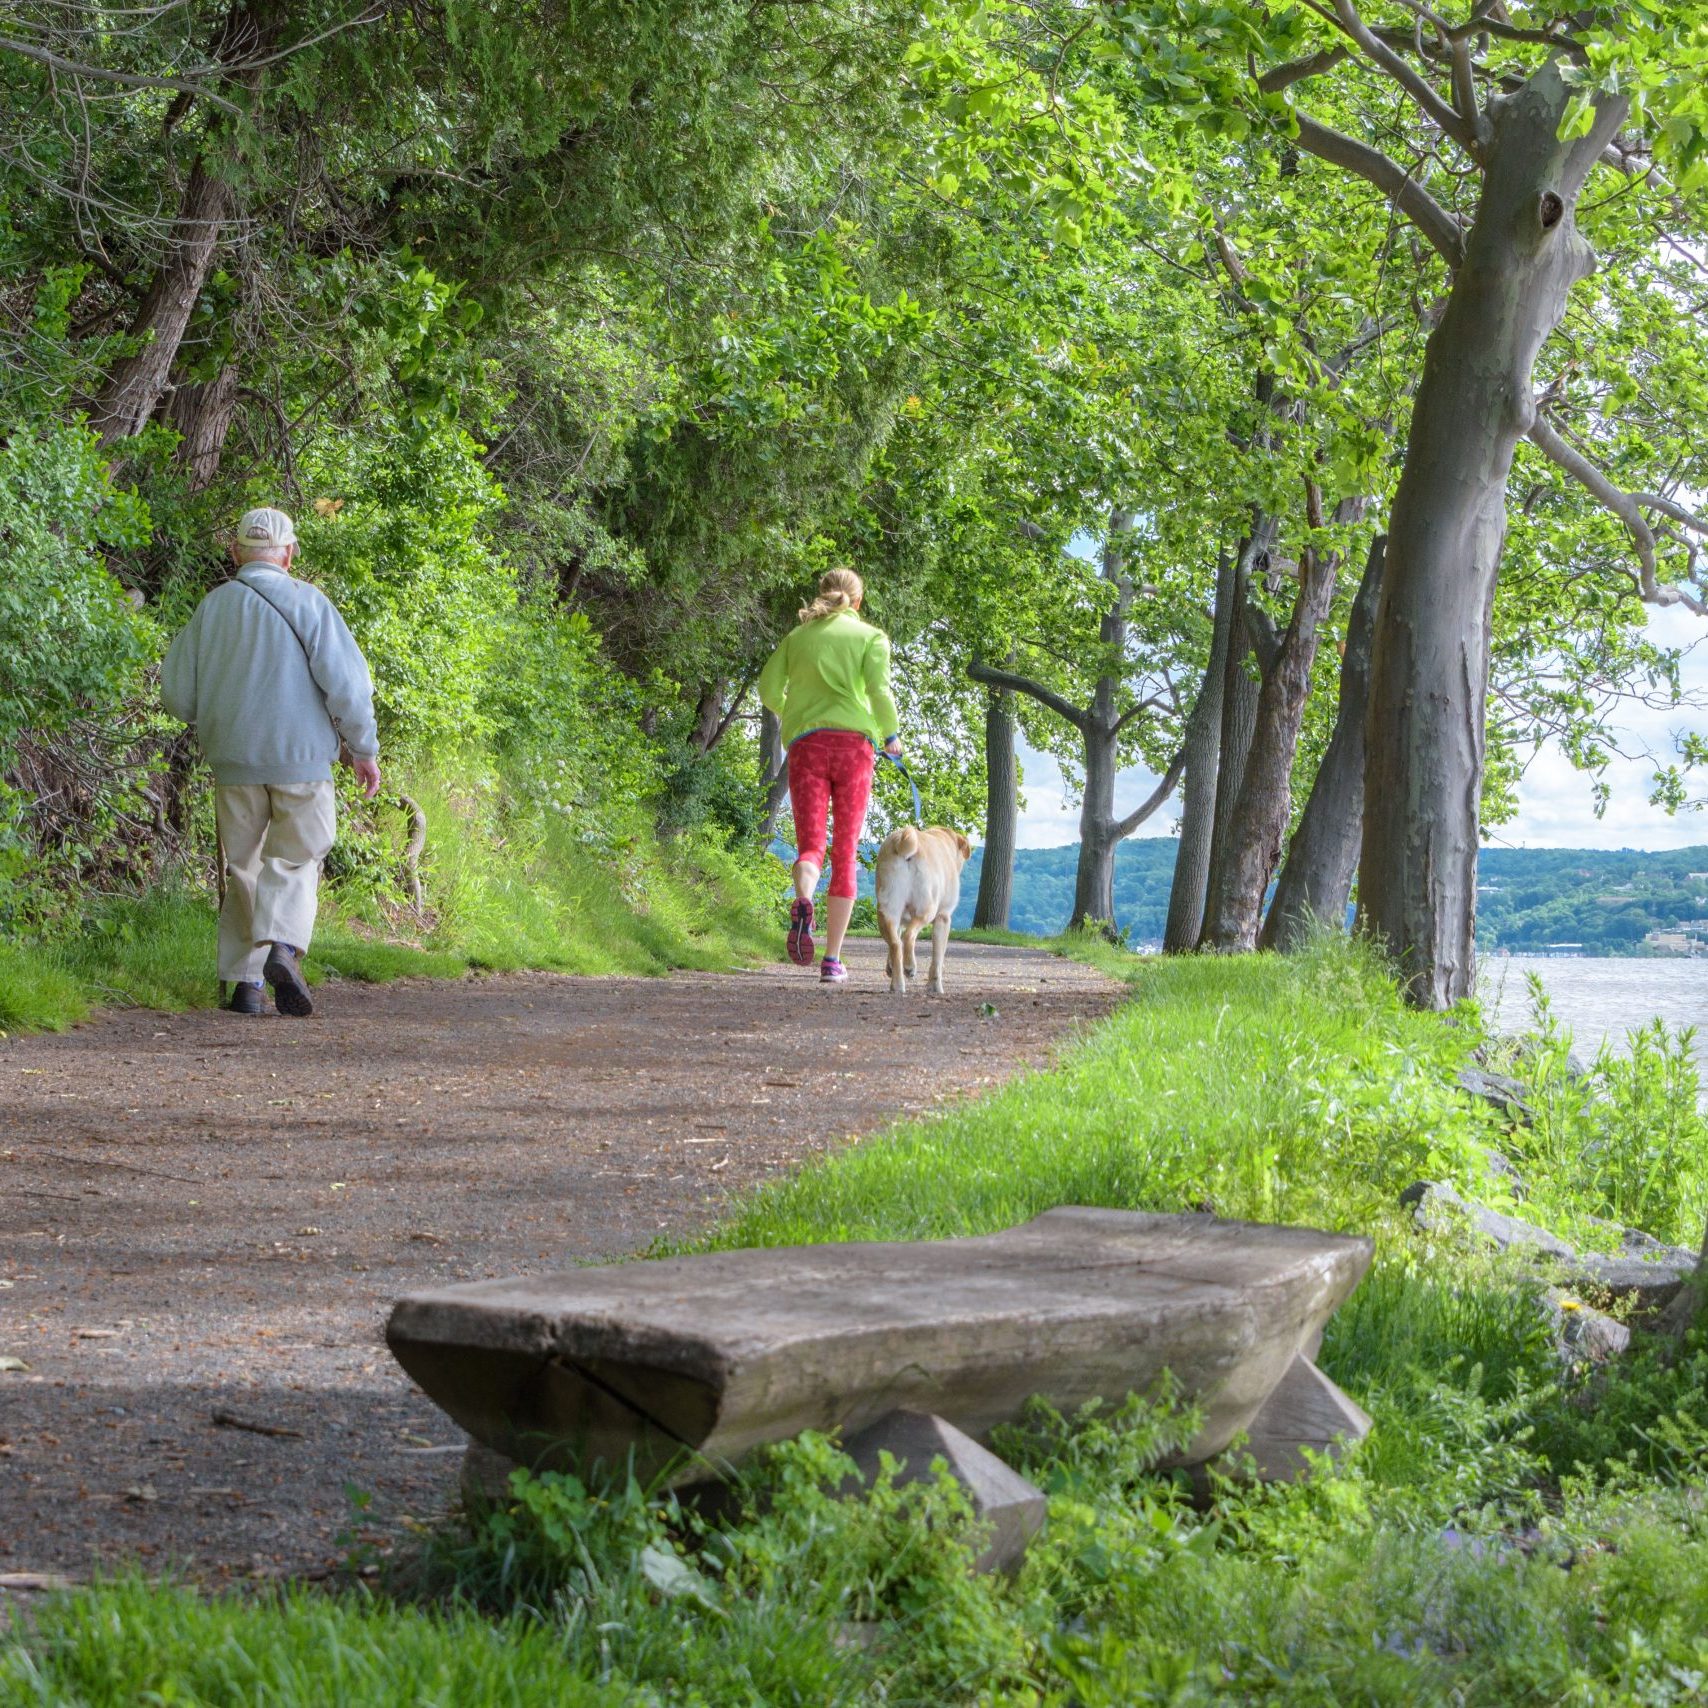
x,y
178,673
341,674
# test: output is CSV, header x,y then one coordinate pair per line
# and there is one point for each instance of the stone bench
x,y
686,1360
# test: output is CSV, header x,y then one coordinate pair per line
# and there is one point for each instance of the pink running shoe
x,y
800,933
832,971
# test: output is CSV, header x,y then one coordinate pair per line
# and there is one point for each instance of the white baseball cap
x,y
266,528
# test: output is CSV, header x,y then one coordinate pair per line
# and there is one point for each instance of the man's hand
x,y
367,773
893,747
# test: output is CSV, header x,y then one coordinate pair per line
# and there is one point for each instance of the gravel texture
x,y
204,1217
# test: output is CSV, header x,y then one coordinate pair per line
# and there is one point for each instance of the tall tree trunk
x,y
707,714
202,414
1198,794
1094,879
1239,724
122,407
1259,822
775,768
1430,662
1316,881
1001,813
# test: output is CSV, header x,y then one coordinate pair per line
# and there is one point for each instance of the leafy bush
x,y
72,646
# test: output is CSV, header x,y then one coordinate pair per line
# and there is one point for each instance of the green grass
x,y
505,892
1502,1537
131,1643
1279,1090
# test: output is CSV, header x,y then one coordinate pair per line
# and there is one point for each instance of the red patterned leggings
x,y
830,771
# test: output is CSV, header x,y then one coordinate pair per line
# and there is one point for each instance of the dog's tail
x,y
893,875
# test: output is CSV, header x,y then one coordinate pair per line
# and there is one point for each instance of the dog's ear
x,y
965,847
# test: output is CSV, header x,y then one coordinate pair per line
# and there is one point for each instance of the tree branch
x,y
1442,113
1154,703
100,73
1297,70
1392,179
1124,827
994,678
1628,507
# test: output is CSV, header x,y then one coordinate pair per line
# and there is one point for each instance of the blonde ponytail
x,y
838,590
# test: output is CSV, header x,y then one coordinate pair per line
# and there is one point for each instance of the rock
x,y
1500,1091
1652,1271
1643,1266
1500,1167
1306,1411
691,1362
1439,1208
1582,1334
1013,1508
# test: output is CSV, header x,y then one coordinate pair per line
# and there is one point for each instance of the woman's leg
x,y
850,793
838,910
809,800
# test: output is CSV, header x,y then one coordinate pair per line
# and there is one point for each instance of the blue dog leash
x,y
918,804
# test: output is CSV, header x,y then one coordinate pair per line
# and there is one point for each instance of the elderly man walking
x,y
277,690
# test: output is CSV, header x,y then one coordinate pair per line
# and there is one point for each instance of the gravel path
x,y
206,1218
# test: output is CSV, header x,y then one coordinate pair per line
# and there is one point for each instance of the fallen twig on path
x,y
113,1162
230,1420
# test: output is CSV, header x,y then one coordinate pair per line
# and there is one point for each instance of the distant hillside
x,y
1603,901
1043,888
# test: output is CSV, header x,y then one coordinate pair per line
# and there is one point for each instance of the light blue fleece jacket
x,y
267,709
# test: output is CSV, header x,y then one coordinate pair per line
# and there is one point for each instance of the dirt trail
x,y
201,1215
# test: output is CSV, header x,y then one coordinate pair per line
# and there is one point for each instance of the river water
x,y
1599,998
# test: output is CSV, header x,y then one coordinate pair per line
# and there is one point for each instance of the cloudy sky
x,y
1555,808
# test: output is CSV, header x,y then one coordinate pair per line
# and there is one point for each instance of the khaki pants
x,y
275,836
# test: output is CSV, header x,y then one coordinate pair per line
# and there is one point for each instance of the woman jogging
x,y
829,684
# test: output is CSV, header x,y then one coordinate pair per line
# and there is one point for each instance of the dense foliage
x,y
580,341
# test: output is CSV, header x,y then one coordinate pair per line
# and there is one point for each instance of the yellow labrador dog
x,y
919,880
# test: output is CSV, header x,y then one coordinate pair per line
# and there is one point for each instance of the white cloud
x,y
1555,806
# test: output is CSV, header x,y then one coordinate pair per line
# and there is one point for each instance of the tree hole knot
x,y
1550,209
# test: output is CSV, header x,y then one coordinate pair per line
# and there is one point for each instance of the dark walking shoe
x,y
247,999
800,933
290,988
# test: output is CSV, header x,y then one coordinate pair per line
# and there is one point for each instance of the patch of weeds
x,y
1625,1140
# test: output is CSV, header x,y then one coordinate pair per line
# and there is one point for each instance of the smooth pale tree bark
x,y
775,770
1202,749
1316,881
1100,725
1001,813
1430,663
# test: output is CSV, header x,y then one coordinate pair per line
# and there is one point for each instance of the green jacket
x,y
833,673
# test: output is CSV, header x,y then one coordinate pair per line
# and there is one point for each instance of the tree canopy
x,y
581,338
